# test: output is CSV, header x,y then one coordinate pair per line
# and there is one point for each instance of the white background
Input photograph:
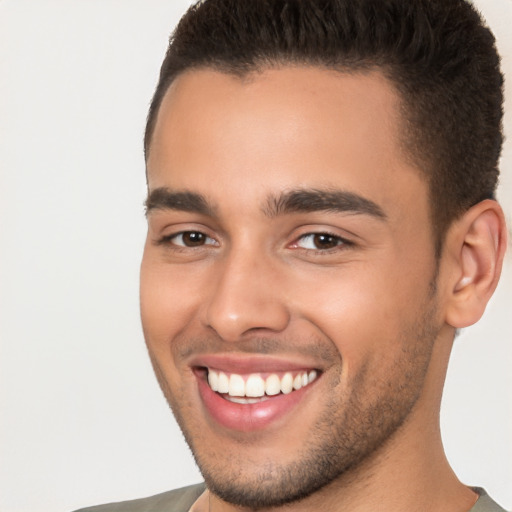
x,y
82,419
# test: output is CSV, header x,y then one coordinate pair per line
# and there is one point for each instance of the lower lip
x,y
247,417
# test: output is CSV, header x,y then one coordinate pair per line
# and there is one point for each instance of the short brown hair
x,y
439,55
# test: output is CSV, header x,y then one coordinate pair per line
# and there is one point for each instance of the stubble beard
x,y
351,430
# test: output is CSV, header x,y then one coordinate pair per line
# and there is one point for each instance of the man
x,y
321,221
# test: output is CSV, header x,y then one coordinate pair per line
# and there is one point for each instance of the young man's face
x,y
289,243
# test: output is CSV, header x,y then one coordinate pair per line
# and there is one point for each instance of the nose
x,y
247,297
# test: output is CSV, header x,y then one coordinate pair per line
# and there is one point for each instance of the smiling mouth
x,y
256,387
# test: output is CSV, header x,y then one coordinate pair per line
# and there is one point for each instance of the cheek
x,y
172,298
166,300
165,312
362,309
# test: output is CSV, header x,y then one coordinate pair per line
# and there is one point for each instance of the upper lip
x,y
250,363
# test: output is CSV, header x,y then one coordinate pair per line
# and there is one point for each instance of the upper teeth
x,y
255,386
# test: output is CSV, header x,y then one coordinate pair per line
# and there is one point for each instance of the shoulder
x,y
178,500
485,503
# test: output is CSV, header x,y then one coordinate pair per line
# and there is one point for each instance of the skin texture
x,y
369,306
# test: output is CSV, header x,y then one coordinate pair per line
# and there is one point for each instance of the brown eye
x,y
191,239
319,241
322,241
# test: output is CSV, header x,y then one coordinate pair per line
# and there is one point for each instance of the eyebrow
x,y
163,198
316,200
293,201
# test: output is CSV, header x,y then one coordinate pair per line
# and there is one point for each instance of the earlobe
x,y
477,242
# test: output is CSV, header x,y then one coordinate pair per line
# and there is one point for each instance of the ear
x,y
476,245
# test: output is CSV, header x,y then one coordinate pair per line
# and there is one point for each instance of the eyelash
x,y
339,241
169,239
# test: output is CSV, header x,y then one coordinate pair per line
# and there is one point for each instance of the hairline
x,y
406,138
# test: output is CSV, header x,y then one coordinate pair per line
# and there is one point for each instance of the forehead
x,y
281,128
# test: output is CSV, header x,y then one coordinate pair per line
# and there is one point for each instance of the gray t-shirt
x,y
180,500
